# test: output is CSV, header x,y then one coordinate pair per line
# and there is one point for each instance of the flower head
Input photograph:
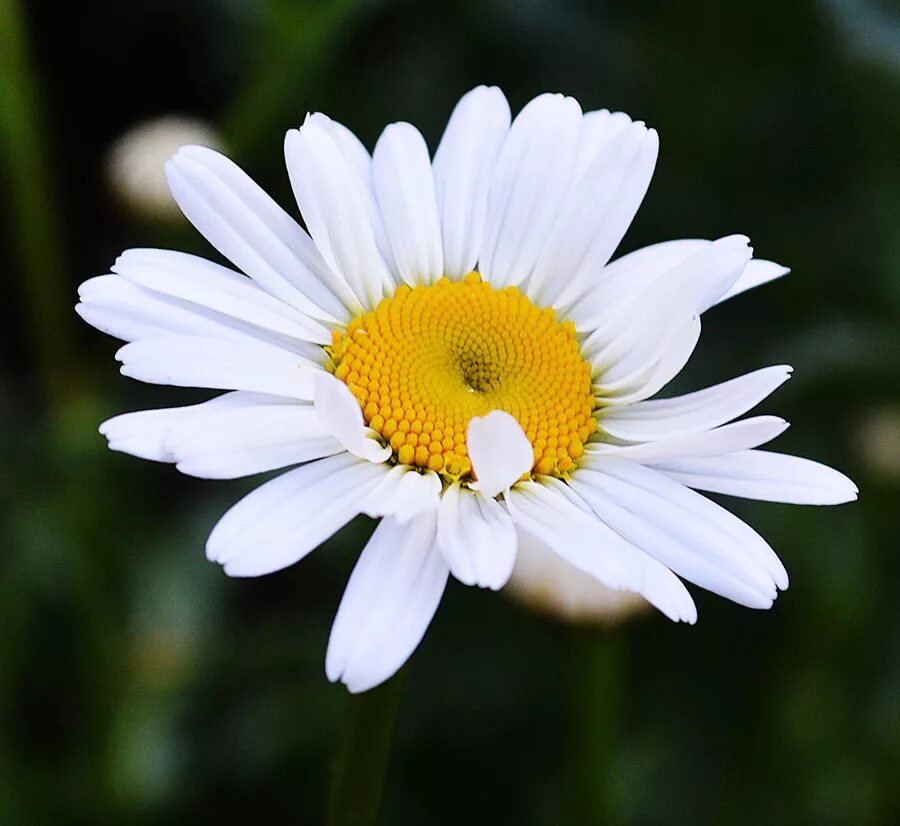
x,y
446,346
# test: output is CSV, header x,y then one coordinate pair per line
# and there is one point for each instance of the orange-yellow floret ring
x,y
427,360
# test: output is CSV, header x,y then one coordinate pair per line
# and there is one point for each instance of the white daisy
x,y
447,346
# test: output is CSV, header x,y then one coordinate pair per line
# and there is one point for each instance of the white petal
x,y
403,493
235,434
340,415
143,433
649,345
544,580
130,312
598,128
477,537
642,343
241,221
360,162
283,520
333,201
755,274
463,165
404,186
746,433
202,283
595,217
693,274
548,510
532,176
392,595
693,412
193,361
500,452
261,433
760,474
629,276
693,536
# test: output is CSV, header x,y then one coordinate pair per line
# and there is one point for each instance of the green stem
x,y
24,145
361,761
597,679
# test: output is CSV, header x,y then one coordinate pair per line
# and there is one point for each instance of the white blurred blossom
x,y
136,163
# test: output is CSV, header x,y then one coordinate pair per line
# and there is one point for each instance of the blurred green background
x,y
139,685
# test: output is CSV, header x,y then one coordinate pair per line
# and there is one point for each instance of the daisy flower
x,y
447,346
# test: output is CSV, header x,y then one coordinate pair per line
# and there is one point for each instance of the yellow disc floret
x,y
428,359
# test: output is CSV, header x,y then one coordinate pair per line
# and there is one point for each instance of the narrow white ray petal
x,y
746,433
693,412
241,221
232,435
194,361
130,312
463,165
392,595
360,162
499,450
417,493
143,432
402,497
755,274
404,187
595,217
598,128
636,359
547,510
264,433
200,282
477,537
703,271
332,201
283,520
761,474
529,184
340,415
552,585
629,276
693,536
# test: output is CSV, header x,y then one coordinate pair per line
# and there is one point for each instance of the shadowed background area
x,y
139,685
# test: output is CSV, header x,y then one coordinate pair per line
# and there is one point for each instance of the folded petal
x,y
404,186
463,165
693,412
280,522
477,537
500,452
392,595
761,474
340,415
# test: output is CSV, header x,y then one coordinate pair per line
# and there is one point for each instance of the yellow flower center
x,y
428,359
